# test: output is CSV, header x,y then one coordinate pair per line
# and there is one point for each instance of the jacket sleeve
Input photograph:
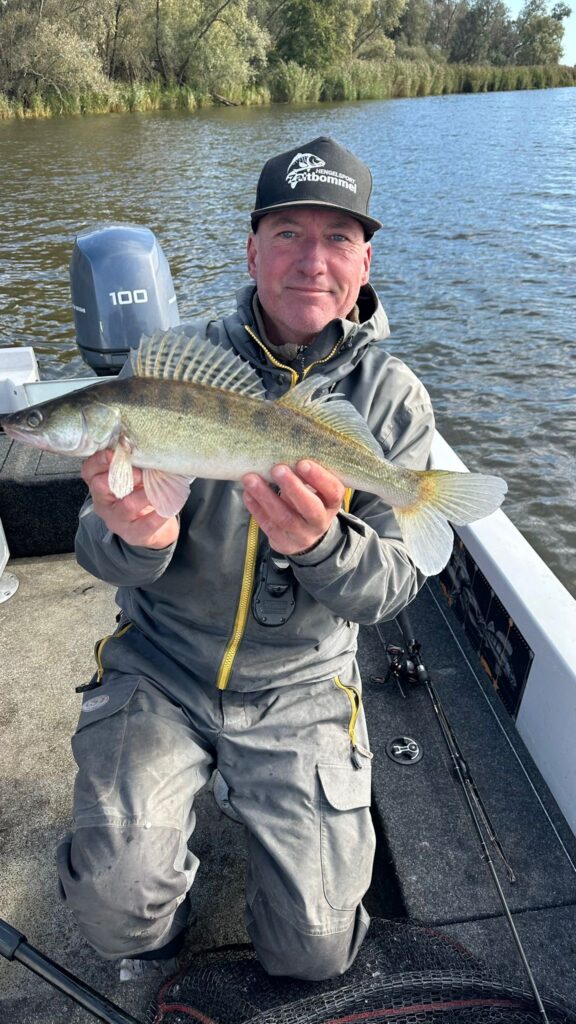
x,y
109,558
361,569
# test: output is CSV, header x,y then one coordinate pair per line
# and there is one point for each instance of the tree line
x,y
483,32
257,50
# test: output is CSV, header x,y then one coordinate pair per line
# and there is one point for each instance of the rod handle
x,y
10,939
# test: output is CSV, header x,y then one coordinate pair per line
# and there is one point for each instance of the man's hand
x,y
132,518
296,519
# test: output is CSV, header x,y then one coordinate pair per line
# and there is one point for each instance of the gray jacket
x,y
209,600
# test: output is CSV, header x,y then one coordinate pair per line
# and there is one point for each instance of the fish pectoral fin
x,y
166,492
120,473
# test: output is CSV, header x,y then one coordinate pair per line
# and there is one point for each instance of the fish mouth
x,y
20,433
13,430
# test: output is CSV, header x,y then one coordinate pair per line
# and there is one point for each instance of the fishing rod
x,y
14,946
406,664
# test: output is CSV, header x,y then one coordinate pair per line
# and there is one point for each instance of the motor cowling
x,y
121,289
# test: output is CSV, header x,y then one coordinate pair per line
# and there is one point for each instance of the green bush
x,y
290,83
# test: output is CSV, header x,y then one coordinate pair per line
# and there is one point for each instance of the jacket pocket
x,y
347,839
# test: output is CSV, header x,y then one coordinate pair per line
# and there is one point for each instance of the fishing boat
x,y
471,704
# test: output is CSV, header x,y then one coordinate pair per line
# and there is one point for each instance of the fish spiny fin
x,y
444,495
333,411
173,356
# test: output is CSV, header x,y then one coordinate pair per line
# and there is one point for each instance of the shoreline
x,y
398,79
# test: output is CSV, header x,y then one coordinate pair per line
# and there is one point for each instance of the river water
x,y
476,265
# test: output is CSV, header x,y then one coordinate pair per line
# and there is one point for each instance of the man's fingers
x,y
95,465
94,472
311,493
263,502
297,517
310,489
328,486
132,518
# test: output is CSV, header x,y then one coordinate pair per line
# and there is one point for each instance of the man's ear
x,y
367,260
251,253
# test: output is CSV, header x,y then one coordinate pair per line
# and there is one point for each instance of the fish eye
x,y
34,418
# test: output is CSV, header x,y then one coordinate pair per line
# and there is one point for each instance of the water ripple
x,y
475,264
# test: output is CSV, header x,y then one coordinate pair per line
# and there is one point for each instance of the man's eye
x,y
286,234
339,238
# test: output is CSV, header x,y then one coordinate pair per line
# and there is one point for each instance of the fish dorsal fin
x,y
332,410
172,356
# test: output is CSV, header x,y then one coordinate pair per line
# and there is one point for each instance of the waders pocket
x,y
347,840
98,742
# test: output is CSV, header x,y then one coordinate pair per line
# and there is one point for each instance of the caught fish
x,y
194,409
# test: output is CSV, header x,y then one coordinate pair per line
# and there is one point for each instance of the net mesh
x,y
402,975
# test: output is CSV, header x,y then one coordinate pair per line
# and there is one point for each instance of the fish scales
x,y
198,431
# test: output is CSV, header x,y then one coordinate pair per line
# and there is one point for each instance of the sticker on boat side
x,y
504,653
96,702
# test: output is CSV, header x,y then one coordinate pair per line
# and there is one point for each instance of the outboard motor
x,y
121,288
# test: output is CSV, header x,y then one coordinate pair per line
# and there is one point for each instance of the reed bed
x,y
287,82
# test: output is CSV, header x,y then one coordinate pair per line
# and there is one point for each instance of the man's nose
x,y
312,256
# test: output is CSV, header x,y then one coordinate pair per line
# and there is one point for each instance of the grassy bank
x,y
290,83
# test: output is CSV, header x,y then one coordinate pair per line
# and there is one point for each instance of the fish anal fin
x,y
120,473
427,535
166,492
332,411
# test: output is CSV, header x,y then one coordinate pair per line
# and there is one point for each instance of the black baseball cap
x,y
318,173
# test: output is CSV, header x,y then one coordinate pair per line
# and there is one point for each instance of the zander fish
x,y
194,409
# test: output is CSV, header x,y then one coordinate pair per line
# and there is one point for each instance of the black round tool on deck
x,y
404,750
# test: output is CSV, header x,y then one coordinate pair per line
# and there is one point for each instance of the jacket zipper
x,y
243,608
295,376
99,649
359,754
249,570
355,700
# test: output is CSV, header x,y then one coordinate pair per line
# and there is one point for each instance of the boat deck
x,y
429,864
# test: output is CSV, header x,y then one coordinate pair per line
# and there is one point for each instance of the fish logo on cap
x,y
309,167
300,164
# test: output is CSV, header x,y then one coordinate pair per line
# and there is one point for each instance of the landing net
x,y
402,975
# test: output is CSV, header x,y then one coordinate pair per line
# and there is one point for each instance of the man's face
x,y
309,265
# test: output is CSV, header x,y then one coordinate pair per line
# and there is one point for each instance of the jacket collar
x,y
351,338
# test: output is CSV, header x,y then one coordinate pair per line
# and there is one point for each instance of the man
x,y
237,632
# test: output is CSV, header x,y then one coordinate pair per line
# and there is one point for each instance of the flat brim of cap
x,y
370,223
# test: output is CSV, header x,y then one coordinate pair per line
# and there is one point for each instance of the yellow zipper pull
x,y
360,755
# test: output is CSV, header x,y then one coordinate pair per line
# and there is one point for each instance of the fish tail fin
x,y
444,495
